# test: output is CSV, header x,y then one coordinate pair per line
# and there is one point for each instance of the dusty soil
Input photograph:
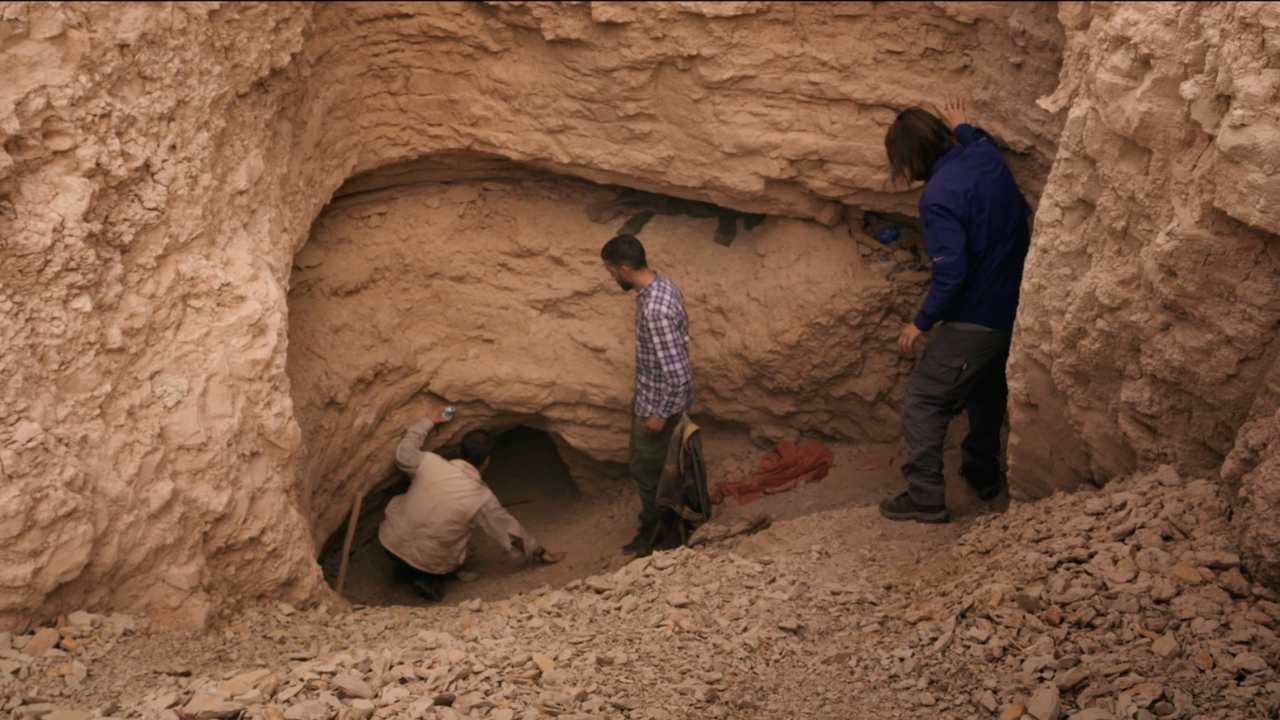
x,y
854,545
1128,603
530,479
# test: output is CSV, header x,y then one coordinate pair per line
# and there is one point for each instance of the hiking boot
x,y
986,490
903,507
668,536
989,492
428,589
642,544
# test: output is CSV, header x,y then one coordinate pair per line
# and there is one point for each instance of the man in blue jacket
x,y
976,231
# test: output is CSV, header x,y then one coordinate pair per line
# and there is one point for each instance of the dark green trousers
x,y
648,453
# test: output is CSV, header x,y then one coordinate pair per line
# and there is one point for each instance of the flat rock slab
x,y
210,707
352,686
43,642
1093,714
1045,704
68,715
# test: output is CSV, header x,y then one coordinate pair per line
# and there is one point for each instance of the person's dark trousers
x,y
648,453
963,368
429,585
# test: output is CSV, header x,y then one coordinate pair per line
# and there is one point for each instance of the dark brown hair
x,y
624,251
477,446
915,141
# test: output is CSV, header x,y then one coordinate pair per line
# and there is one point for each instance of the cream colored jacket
x,y
430,526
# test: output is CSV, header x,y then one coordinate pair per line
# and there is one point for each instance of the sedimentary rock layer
x,y
1150,299
162,164
492,295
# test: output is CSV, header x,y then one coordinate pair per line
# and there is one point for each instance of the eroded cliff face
x,y
147,429
163,163
1150,308
162,166
1150,299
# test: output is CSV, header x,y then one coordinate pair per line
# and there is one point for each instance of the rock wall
x,y
491,294
161,166
145,426
1151,299
163,163
1147,330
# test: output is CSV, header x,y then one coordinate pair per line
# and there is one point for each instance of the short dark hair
x,y
915,141
477,446
624,250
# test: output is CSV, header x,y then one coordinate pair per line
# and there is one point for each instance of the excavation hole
x,y
533,483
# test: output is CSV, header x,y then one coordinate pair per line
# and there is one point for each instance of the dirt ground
x,y
833,522
832,615
533,483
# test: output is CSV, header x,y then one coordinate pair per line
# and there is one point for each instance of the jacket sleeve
x,y
944,239
673,356
507,531
409,453
968,134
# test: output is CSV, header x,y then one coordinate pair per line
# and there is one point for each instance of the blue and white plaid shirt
x,y
664,379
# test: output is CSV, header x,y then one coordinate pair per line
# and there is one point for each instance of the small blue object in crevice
x,y
888,234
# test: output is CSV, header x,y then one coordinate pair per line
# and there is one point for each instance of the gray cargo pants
x,y
963,368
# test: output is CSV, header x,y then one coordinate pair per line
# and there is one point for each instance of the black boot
x,y
903,507
431,586
986,484
668,534
642,543
986,491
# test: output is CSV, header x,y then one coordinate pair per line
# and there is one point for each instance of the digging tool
x,y
346,541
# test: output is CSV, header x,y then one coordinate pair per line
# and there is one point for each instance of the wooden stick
x,y
346,542
715,532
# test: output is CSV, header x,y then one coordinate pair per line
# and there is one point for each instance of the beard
x,y
626,286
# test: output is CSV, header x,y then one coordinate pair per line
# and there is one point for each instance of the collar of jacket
x,y
947,157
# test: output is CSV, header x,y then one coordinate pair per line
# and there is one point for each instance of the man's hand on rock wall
x,y
954,112
435,411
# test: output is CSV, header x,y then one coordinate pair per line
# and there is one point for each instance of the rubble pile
x,y
1124,604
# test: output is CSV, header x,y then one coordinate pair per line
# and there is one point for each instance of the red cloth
x,y
779,471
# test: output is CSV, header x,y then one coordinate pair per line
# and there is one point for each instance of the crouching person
x,y
426,530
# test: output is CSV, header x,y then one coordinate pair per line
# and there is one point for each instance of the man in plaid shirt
x,y
664,379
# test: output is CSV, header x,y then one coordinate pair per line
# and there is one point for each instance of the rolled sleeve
x,y
409,453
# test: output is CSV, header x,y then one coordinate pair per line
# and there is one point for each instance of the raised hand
x,y
435,411
954,112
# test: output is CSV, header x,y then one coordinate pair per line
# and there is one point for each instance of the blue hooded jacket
x,y
977,229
